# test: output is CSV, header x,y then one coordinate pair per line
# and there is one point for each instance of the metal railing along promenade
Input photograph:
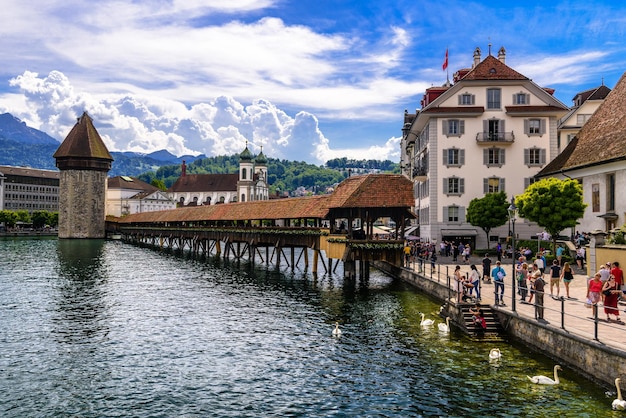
x,y
569,314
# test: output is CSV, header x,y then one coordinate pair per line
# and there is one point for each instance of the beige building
x,y
596,157
490,130
249,184
126,195
585,104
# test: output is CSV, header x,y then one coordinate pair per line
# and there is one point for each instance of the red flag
x,y
445,61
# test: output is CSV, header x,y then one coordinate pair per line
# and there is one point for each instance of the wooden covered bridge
x,y
287,230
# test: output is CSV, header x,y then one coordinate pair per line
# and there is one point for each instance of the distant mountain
x,y
24,146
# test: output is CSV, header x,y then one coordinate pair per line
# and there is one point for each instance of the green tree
x,y
158,183
40,218
488,212
553,204
23,216
9,218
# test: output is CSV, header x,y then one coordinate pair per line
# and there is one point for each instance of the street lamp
x,y
512,215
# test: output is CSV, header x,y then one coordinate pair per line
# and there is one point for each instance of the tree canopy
x,y
488,212
553,204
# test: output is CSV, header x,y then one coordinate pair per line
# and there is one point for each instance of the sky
x,y
300,80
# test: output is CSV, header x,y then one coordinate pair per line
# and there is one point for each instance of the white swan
x,y
426,322
336,331
495,354
544,380
618,404
444,327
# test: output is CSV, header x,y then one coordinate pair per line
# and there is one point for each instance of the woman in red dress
x,y
611,290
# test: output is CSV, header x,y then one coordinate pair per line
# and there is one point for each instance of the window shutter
x,y
485,186
461,214
445,186
445,214
444,127
542,126
461,186
501,159
501,186
445,157
486,156
542,156
460,99
501,126
461,127
526,182
473,96
527,99
485,126
526,156
526,127
515,99
462,157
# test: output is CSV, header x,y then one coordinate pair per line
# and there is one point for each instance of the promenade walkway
x,y
570,315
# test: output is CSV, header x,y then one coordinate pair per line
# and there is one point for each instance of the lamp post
x,y
512,215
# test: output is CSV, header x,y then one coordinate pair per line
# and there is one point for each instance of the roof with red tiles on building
x,y
132,183
205,183
601,140
373,190
491,68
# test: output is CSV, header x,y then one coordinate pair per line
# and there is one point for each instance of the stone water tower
x,y
84,162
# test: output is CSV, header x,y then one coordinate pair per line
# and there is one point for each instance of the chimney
x,y
476,57
183,169
502,55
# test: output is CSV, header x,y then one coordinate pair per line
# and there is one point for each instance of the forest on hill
x,y
293,177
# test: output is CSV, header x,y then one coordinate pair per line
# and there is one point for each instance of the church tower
x,y
84,162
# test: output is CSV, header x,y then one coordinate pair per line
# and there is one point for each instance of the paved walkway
x,y
576,319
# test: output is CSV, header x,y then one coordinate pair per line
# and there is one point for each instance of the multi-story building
x,y
24,188
126,195
491,130
249,184
585,104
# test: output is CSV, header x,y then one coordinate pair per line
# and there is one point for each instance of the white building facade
x,y
490,131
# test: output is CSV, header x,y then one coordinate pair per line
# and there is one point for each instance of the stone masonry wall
x,y
82,198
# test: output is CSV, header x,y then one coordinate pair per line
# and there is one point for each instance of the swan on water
x,y
336,331
426,322
618,404
444,327
495,354
544,380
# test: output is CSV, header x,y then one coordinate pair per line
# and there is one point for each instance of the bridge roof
x,y
368,191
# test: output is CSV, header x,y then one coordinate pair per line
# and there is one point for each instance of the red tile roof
x,y
492,68
120,182
205,183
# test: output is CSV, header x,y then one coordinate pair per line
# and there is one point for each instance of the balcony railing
x,y
491,137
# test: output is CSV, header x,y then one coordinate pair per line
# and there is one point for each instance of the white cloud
x,y
148,123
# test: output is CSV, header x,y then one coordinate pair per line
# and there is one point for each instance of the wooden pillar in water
x,y
349,269
293,258
306,257
315,256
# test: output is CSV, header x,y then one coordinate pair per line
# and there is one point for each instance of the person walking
x,y
611,290
498,274
567,275
539,291
458,283
487,268
555,278
594,289
522,284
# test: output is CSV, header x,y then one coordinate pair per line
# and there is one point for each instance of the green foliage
x,y
23,216
488,212
158,183
40,218
553,204
283,175
8,217
617,237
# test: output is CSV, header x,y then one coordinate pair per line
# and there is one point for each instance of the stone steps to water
x,y
494,330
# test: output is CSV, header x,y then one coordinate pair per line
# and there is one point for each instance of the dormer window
x,y
521,99
467,99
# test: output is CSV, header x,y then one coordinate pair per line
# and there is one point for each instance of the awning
x,y
409,230
610,216
459,232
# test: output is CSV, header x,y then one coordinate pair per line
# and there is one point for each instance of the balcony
x,y
420,174
495,137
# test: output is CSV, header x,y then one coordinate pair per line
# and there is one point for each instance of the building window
x,y
493,157
595,197
528,181
453,157
466,99
244,173
521,99
610,193
452,214
453,127
582,118
533,127
493,185
453,186
493,99
534,157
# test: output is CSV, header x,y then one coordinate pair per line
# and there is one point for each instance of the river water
x,y
95,328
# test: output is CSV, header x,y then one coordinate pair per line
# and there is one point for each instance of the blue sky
x,y
304,80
